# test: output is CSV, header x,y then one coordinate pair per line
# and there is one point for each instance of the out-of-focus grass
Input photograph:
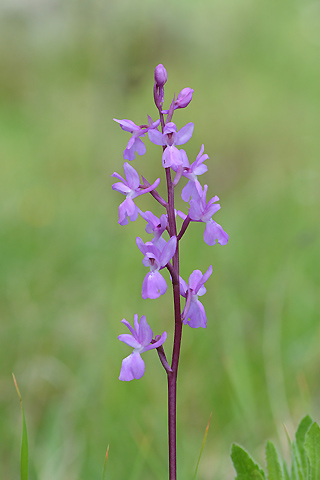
x,y
69,273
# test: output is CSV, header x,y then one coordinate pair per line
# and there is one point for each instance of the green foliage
x,y
273,464
312,447
305,457
244,465
304,426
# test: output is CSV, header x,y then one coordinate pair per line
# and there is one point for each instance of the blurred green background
x,y
69,273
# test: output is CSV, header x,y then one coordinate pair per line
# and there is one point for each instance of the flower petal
x,y
139,146
207,274
129,340
184,158
171,157
195,210
129,154
145,332
184,134
121,187
127,125
213,232
153,285
136,325
141,245
132,176
196,316
155,137
116,175
194,279
200,289
200,169
189,190
127,324
209,211
133,216
127,209
132,367
183,287
168,251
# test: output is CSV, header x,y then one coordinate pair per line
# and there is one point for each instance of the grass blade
x,y
202,446
105,464
24,442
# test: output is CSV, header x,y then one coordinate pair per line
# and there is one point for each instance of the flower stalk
x,y
160,253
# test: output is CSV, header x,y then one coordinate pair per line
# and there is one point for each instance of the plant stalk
x,y
172,376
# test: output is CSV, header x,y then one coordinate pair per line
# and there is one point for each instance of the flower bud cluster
x,y
158,252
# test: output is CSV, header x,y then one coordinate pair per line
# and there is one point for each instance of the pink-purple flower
x,y
156,226
160,75
170,138
135,144
201,211
154,284
195,315
183,99
193,188
140,340
131,189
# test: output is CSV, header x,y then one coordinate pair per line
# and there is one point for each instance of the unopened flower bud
x,y
160,75
184,98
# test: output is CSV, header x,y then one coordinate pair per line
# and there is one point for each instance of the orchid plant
x,y
161,253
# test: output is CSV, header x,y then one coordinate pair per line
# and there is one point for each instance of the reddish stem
x,y
172,376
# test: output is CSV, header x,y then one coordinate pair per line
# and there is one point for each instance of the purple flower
x,y
193,188
169,138
201,211
195,315
154,284
135,144
160,75
183,99
140,339
131,188
156,226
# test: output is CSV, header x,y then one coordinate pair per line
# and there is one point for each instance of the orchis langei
x,y
161,253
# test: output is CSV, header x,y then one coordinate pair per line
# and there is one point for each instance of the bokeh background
x,y
69,273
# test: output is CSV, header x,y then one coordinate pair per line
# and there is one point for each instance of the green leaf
x,y
24,443
244,465
285,471
273,464
296,470
305,424
312,447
